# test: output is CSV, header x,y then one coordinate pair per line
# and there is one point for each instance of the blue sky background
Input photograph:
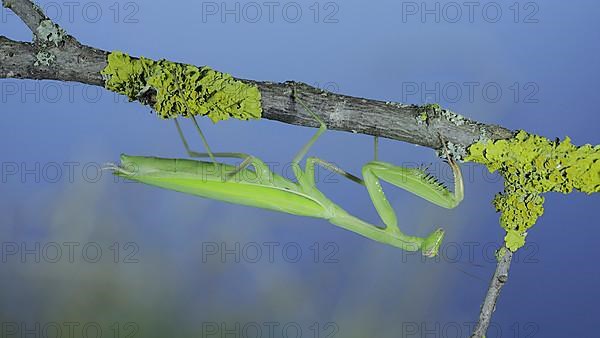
x,y
532,66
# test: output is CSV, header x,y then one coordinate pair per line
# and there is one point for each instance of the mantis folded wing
x,y
262,188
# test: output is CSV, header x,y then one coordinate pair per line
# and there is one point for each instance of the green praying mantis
x,y
253,184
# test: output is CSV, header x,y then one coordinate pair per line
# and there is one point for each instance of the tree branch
x,y
76,62
28,11
489,304
81,63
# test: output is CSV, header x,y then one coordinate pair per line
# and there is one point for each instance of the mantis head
x,y
124,169
431,244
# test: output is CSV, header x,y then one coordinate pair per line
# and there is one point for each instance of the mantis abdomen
x,y
205,179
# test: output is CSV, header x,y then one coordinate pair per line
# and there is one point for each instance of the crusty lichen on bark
x,y
532,165
50,33
182,90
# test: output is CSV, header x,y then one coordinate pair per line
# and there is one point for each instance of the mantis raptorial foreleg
x,y
415,181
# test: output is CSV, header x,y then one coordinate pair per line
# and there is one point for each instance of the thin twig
x,y
489,304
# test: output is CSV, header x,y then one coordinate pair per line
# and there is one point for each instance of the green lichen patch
x,y
435,110
483,136
44,58
457,151
427,110
422,118
431,107
182,90
453,117
500,253
532,165
50,33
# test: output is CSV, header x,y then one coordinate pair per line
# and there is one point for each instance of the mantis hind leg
x,y
261,169
307,178
248,160
309,175
309,144
310,170
204,141
187,148
376,147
